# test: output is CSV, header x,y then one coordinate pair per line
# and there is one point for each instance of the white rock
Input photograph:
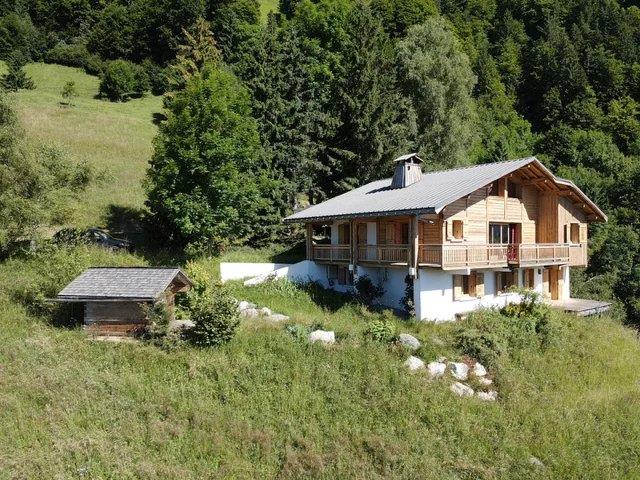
x,y
409,341
490,396
484,381
250,313
323,336
180,325
536,461
277,317
459,370
414,363
436,369
265,311
244,305
479,370
461,389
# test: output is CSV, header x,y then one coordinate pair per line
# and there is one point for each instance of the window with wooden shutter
x,y
381,233
528,278
465,286
458,229
575,233
344,234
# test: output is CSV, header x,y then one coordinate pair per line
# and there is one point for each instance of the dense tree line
x,y
333,90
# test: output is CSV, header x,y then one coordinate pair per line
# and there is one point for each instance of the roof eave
x,y
389,213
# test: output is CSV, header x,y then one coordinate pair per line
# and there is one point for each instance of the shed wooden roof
x,y
122,283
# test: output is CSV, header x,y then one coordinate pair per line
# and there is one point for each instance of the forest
x,y
320,96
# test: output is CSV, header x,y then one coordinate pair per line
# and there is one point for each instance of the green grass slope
x,y
268,406
114,137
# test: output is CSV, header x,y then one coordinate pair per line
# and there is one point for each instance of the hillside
x,y
269,406
113,137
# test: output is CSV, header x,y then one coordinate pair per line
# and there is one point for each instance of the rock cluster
x,y
461,372
251,310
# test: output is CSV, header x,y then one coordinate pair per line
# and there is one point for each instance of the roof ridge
x,y
466,167
141,267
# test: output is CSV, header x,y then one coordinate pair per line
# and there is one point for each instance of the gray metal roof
x,y
434,192
431,195
125,283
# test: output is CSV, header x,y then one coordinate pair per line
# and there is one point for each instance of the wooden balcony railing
x,y
399,254
332,253
460,256
451,256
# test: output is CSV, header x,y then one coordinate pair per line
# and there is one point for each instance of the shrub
x,y
157,330
69,92
121,79
157,76
299,332
381,330
216,319
408,301
74,55
366,291
16,79
488,335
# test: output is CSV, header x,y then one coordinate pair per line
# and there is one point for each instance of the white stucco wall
x,y
433,292
238,271
391,279
566,286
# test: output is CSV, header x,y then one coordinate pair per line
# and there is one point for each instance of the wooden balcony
x,y
386,254
457,256
332,253
454,256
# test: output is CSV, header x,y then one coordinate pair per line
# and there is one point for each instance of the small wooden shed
x,y
113,298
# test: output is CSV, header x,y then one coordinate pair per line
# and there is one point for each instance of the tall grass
x,y
269,406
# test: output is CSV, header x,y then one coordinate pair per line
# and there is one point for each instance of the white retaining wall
x,y
238,271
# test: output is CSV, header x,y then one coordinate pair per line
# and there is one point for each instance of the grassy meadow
x,y
115,138
269,406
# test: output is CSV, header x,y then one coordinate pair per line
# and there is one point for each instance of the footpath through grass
x,y
269,406
113,137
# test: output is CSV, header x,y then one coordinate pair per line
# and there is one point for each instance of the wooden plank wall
x,y
119,312
548,218
569,213
478,209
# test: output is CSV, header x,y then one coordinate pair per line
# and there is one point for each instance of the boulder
x,y
479,370
461,389
490,396
414,363
436,369
277,317
180,325
484,381
459,370
244,305
409,341
265,311
249,313
323,336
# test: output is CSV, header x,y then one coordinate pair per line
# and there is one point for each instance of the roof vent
x,y
408,170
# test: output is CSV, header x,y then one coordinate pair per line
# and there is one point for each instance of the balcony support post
x,y
353,260
414,244
309,239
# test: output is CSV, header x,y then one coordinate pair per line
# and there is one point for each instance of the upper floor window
x,y
404,233
575,233
344,234
498,233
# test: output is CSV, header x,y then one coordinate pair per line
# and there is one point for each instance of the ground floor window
x,y
465,286
506,280
338,275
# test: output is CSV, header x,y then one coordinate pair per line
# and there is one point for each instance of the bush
x,y
216,319
488,335
74,55
122,79
157,76
381,330
366,291
16,79
408,301
157,330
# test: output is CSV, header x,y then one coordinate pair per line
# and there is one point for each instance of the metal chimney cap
x,y
409,156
